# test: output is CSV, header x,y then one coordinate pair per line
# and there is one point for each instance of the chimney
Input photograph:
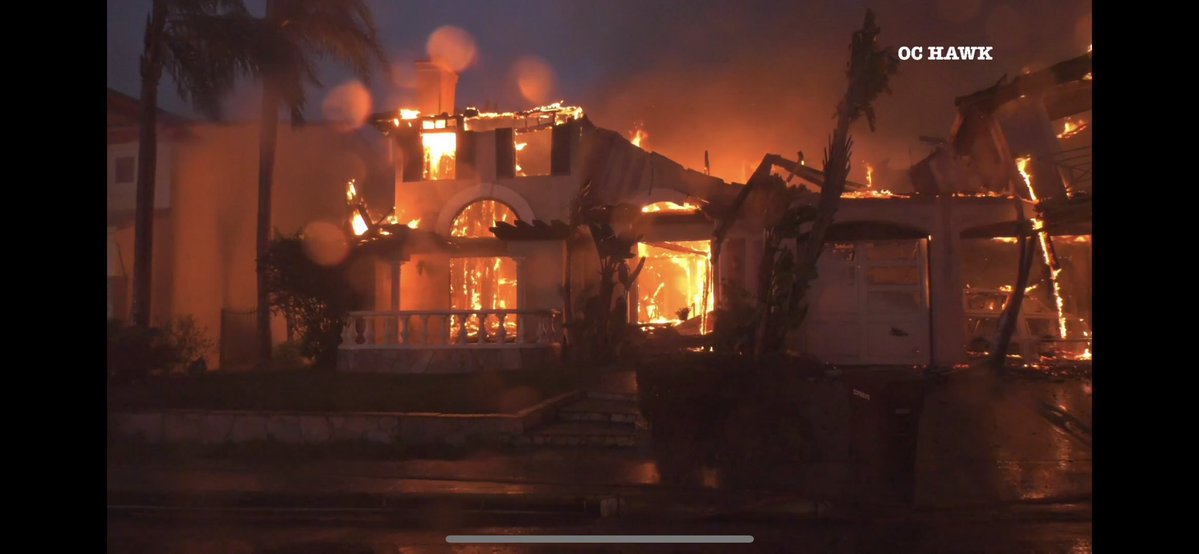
x,y
435,87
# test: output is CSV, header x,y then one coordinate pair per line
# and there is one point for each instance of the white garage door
x,y
869,304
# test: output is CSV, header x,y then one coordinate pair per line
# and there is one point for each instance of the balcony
x,y
448,341
1075,168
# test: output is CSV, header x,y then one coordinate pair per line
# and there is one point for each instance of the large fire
x,y
440,148
555,113
1047,252
675,284
483,283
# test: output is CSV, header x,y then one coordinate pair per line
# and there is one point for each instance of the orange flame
x,y
440,148
669,206
1071,127
358,224
1046,247
675,280
638,136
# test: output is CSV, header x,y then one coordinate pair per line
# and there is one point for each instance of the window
x,y
673,285
440,148
533,150
477,219
124,169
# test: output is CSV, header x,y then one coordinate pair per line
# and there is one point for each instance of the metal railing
x,y
1075,167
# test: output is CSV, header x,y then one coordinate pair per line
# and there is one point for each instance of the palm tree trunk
x,y
267,140
568,301
147,164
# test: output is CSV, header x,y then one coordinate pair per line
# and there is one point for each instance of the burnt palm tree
x,y
199,43
869,70
292,37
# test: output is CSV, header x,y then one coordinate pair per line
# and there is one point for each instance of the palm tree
x,y
869,70
293,36
198,43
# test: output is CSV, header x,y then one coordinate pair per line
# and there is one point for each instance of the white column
x,y
395,284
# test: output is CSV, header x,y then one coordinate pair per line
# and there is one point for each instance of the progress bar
x,y
599,539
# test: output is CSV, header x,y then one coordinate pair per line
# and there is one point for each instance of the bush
x,y
289,355
187,341
314,298
135,353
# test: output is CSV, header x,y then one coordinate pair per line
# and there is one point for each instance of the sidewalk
x,y
582,483
586,483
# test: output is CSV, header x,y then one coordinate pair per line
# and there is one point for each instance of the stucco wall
x,y
215,210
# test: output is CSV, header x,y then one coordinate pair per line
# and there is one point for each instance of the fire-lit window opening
x,y
483,286
477,219
674,284
440,148
533,151
989,270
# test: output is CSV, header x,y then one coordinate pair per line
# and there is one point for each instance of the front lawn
x,y
315,390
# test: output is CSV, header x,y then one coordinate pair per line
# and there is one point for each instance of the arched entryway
x,y
483,278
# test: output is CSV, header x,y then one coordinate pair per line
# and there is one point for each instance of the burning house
x,y
471,267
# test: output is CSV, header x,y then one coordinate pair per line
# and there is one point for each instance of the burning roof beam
x,y
1074,69
810,174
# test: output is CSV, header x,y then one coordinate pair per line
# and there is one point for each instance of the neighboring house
x,y
123,114
206,198
449,294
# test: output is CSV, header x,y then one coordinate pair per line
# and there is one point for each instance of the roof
x,y
125,110
1037,82
620,171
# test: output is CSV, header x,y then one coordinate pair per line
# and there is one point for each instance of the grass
x,y
320,391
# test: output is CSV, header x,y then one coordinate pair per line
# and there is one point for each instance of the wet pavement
x,y
995,465
943,535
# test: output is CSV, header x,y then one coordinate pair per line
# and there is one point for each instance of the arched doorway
x,y
481,284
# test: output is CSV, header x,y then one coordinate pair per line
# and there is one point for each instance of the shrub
x,y
135,353
289,355
187,342
314,298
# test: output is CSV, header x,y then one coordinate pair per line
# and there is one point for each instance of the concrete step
x,y
593,409
582,433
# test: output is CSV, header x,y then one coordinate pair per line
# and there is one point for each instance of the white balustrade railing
x,y
452,328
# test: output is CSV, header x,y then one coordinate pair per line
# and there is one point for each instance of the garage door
x,y
869,304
